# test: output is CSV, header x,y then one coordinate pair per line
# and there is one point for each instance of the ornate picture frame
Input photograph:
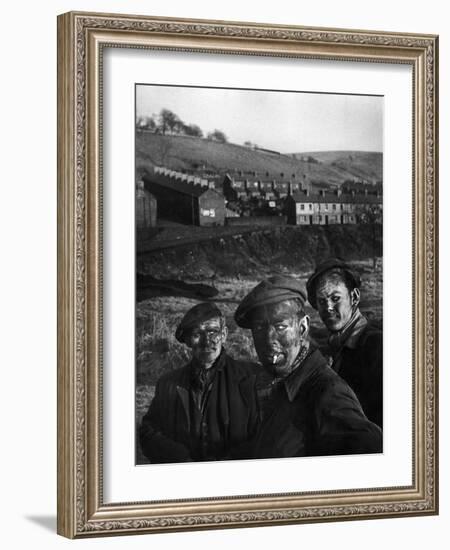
x,y
82,41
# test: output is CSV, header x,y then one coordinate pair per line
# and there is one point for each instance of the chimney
x,y
322,192
338,192
306,191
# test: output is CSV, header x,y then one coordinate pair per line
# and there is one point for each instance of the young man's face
x,y
335,303
277,331
206,340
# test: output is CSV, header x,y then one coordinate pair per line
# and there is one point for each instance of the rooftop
x,y
356,198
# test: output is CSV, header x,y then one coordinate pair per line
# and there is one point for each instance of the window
x,y
334,207
302,207
211,212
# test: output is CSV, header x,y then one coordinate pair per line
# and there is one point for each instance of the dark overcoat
x,y
314,412
229,420
360,363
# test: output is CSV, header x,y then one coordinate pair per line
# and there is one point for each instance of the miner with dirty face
x,y
207,409
355,344
278,323
306,408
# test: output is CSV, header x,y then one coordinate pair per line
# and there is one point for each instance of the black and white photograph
x,y
259,274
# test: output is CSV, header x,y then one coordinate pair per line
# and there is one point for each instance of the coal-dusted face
x,y
277,331
335,301
206,340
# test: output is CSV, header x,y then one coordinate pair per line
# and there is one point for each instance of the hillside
x,y
190,153
283,249
360,164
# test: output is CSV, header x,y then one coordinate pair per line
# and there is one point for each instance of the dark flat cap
x,y
271,291
196,315
328,265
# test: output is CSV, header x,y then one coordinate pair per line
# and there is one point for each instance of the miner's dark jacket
x,y
314,412
361,366
229,420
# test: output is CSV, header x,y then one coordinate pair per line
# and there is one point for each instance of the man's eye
x,y
335,299
280,328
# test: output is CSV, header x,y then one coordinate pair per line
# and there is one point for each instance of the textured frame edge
x,y
80,513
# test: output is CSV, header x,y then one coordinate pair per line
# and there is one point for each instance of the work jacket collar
x,y
312,362
200,376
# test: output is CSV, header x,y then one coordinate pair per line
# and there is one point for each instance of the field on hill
x,y
189,153
359,164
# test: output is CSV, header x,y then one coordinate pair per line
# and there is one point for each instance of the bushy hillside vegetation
x,y
193,153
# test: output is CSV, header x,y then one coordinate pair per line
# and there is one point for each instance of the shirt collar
x,y
358,328
349,335
200,376
310,364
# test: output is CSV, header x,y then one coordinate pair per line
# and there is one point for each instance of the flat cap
x,y
328,265
270,291
196,315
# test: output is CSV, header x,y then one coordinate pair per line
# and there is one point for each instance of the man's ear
x,y
187,339
224,333
304,326
355,296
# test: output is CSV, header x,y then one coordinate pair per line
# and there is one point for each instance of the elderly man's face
x,y
206,340
277,332
335,303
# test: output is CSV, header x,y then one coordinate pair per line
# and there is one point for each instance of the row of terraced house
x,y
212,199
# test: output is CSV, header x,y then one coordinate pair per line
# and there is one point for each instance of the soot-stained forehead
x,y
333,267
276,312
196,316
274,290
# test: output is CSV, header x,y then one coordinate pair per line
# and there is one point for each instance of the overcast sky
x,y
288,122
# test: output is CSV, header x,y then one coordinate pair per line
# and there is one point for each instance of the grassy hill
x,y
183,152
359,164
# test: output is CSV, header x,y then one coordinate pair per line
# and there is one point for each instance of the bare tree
x,y
192,130
168,121
146,123
218,135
